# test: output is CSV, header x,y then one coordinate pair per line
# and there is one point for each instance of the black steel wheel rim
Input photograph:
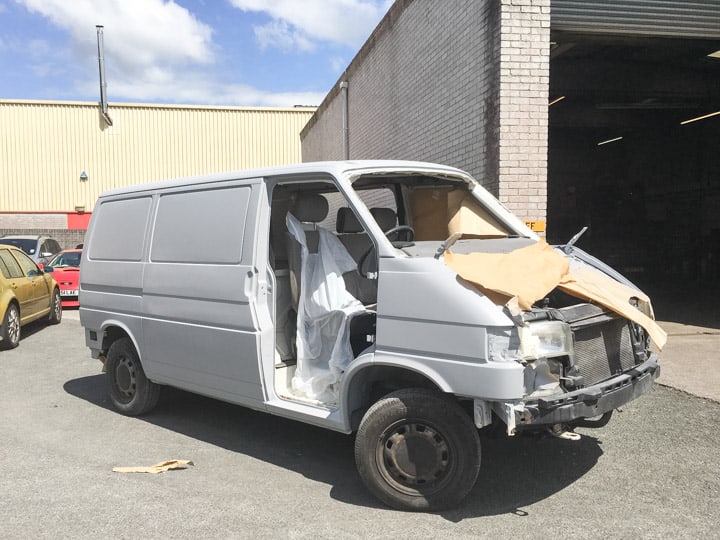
x,y
415,458
125,378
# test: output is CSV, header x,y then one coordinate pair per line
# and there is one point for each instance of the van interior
x,y
413,210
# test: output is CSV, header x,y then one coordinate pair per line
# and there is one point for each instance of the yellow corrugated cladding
x,y
45,147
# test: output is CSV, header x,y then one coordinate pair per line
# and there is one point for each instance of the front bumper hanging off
x,y
587,402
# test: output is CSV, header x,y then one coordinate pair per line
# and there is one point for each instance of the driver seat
x,y
386,218
352,235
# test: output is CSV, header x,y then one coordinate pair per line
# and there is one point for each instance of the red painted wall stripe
x,y
78,221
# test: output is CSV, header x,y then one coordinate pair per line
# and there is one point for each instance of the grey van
x,y
398,301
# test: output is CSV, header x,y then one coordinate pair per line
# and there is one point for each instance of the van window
x,y
201,227
119,230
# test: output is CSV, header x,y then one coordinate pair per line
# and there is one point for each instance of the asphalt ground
x,y
652,472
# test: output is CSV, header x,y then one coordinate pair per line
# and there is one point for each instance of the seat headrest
x,y
347,221
310,208
385,217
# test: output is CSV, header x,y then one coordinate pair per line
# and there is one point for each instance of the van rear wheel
x,y
130,390
418,450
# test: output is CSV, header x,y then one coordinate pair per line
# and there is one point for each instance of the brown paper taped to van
x,y
530,273
157,468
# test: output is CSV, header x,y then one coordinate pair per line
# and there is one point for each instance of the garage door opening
x,y
633,155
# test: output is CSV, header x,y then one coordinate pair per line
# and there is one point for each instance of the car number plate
x,y
68,293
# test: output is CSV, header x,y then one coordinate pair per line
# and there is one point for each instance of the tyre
x,y
55,315
11,327
130,390
418,450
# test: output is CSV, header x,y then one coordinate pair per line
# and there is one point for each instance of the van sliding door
x,y
199,286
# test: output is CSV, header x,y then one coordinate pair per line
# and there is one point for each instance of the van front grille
x,y
603,350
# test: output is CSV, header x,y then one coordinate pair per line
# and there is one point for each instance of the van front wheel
x,y
130,390
418,450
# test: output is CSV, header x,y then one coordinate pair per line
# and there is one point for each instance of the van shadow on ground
x,y
516,472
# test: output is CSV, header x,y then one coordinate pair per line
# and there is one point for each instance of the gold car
x,y
26,294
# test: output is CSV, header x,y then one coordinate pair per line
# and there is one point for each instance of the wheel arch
x,y
371,380
113,330
8,298
10,301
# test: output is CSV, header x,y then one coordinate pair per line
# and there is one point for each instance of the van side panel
x,y
199,293
112,268
427,318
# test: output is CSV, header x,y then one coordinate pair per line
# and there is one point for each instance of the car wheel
x,y
55,315
130,390
11,327
418,450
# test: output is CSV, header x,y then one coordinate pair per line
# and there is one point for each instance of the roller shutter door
x,y
691,19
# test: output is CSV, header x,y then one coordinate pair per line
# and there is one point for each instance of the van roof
x,y
336,168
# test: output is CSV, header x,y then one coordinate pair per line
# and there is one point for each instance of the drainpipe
x,y
103,83
345,127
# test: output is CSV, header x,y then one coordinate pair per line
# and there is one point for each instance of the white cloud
x,y
279,34
142,33
344,22
193,89
154,50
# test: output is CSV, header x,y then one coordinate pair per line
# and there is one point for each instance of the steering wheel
x,y
389,234
397,231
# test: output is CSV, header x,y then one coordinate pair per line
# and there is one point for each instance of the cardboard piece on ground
x,y
527,275
157,468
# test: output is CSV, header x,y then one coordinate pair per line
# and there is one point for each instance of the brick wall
x,y
523,104
454,82
47,224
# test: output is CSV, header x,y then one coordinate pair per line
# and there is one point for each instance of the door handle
x,y
251,283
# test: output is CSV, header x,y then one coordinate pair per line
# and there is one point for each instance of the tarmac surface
x,y
690,360
652,472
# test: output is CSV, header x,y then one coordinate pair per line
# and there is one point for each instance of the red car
x,y
65,268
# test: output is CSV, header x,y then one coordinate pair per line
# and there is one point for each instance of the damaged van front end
x,y
580,362
536,336
558,363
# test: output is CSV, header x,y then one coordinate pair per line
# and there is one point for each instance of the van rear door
x,y
200,330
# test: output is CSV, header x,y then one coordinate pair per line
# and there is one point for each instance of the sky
x,y
260,53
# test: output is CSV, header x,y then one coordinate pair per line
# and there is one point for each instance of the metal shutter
x,y
691,19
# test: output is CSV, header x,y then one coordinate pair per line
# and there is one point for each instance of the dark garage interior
x,y
631,158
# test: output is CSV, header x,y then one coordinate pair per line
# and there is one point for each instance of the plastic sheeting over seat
x,y
324,310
